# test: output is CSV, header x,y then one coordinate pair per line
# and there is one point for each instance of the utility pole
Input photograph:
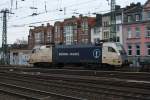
x,y
5,54
113,35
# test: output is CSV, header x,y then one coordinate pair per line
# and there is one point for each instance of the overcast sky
x,y
49,11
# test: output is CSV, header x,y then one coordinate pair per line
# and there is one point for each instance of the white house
x,y
96,34
19,57
96,30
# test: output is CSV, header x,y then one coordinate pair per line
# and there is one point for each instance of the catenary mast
x,y
5,53
5,57
113,35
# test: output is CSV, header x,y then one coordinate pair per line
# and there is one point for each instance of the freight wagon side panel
x,y
78,54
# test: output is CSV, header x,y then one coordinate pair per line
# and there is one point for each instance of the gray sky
x,y
18,23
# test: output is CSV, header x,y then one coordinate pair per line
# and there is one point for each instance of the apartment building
x,y
40,35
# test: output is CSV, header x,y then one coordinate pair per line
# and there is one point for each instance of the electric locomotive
x,y
107,53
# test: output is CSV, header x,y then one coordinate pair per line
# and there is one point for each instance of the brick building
x,y
136,31
77,30
49,34
40,35
58,33
84,33
70,30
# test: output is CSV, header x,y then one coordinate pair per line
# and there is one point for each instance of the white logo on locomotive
x,y
96,53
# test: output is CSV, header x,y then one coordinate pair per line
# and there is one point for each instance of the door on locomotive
x,y
111,54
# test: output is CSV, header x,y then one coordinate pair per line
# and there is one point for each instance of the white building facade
x,y
19,57
96,34
119,25
96,30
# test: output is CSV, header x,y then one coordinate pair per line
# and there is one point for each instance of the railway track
x,y
89,88
32,94
143,76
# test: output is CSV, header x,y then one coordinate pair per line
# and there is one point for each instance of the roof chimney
x,y
73,17
42,25
48,24
138,4
80,16
117,7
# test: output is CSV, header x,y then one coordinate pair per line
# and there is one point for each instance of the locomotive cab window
x,y
34,50
110,49
48,46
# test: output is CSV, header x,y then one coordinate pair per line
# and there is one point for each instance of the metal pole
x,y
5,58
113,35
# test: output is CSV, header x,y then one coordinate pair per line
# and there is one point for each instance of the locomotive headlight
x,y
119,61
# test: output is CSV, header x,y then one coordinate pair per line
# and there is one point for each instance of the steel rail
x,y
113,93
28,93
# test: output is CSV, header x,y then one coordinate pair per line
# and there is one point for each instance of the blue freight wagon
x,y
76,54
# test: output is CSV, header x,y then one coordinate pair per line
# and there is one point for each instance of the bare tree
x,y
20,44
21,41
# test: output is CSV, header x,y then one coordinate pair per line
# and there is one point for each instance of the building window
x,y
49,37
148,49
148,15
129,33
68,34
137,32
84,25
39,38
129,18
110,49
106,35
117,27
137,17
118,39
118,17
96,40
137,50
148,31
129,50
56,28
106,23
96,30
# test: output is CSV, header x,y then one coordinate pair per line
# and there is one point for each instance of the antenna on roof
x,y
34,9
16,4
11,5
108,2
45,7
64,10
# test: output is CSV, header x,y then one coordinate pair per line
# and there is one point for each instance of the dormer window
x,y
137,17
